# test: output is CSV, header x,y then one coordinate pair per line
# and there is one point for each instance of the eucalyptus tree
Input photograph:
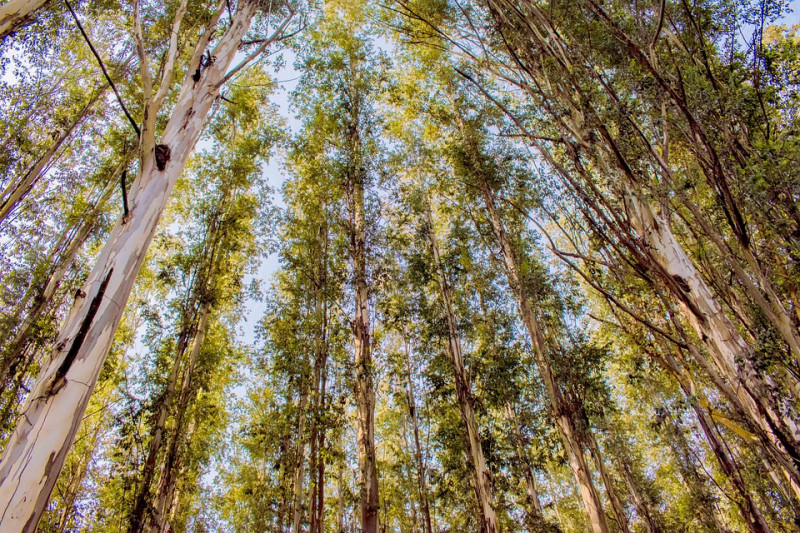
x,y
337,92
641,174
59,398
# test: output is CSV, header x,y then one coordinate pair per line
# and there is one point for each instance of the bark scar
x,y
66,364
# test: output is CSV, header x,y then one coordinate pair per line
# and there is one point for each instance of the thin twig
x,y
103,68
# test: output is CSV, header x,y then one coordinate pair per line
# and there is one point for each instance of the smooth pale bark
x,y
16,13
14,354
420,463
364,387
535,512
481,476
563,416
35,453
730,353
17,190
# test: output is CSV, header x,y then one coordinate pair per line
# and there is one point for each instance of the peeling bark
x,y
730,354
35,453
14,14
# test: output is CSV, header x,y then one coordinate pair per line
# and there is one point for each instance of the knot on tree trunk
x,y
163,154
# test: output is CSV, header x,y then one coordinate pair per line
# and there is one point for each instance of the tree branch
x,y
103,68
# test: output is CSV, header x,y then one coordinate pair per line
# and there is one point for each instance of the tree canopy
x,y
414,266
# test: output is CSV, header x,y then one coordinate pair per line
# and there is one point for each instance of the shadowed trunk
x,y
477,462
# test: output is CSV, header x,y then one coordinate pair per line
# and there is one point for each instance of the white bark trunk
x,y
14,13
729,352
36,450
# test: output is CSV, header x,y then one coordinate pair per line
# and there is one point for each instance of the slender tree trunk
x,y
319,499
36,450
316,472
364,387
17,190
608,481
421,473
68,505
481,475
534,511
705,502
299,472
408,477
744,501
143,501
16,13
340,507
642,505
177,438
564,417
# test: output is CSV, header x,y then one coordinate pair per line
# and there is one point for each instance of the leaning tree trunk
x,y
730,353
16,13
748,509
481,475
14,192
534,511
563,415
608,481
35,453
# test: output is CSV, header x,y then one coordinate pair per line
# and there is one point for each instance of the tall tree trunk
x,y
43,293
422,487
744,500
364,387
563,415
36,450
17,190
705,508
535,513
16,13
316,485
608,481
299,472
642,506
142,508
177,438
481,475
340,507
